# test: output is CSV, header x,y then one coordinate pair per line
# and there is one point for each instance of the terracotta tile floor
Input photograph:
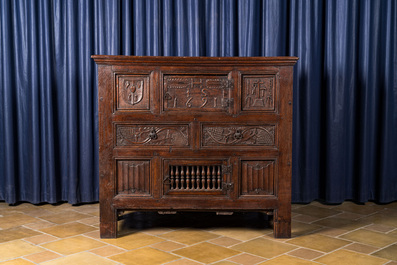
x,y
322,234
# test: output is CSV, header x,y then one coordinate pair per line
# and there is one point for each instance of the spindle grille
x,y
195,177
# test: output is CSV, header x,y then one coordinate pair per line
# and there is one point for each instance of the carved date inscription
x,y
197,92
258,93
133,92
254,135
168,135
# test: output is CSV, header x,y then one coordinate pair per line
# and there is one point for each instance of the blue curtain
x,y
345,97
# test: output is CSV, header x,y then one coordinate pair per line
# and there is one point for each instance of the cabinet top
x,y
185,61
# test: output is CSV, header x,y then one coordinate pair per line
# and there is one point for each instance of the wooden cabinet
x,y
187,134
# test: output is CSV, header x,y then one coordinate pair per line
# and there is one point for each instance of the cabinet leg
x,y
281,225
108,223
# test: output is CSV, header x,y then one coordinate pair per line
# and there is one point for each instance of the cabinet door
x,y
196,177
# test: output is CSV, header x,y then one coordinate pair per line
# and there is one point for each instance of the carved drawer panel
x,y
132,92
197,92
196,177
235,135
259,93
257,177
133,177
152,135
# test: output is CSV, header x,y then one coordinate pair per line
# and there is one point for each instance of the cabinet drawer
x,y
152,135
236,135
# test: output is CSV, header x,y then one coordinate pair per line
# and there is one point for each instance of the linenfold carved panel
x,y
166,135
258,93
133,177
197,92
251,135
257,177
132,92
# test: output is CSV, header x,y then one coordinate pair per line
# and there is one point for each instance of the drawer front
x,y
258,177
152,135
235,135
197,93
132,92
133,177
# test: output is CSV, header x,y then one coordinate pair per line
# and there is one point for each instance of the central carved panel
x,y
254,135
167,135
197,92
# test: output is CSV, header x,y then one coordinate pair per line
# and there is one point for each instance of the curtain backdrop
x,y
345,97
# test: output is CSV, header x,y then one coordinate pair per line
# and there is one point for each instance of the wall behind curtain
x,y
345,97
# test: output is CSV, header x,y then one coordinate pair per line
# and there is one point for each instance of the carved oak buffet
x,y
195,133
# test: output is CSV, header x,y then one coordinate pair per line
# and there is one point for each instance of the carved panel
x,y
132,92
257,177
258,93
229,135
197,92
133,177
166,135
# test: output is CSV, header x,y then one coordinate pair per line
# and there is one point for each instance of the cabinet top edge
x,y
199,61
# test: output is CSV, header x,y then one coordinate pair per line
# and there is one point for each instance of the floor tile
x,y
40,239
157,231
346,257
133,241
241,233
319,242
89,221
305,218
62,218
246,259
332,232
73,245
365,249
107,251
168,246
39,224
17,248
387,253
315,211
299,229
144,256
224,262
15,220
382,219
42,256
189,236
264,247
288,260
184,262
306,253
341,223
16,233
225,241
368,237
356,208
206,252
17,262
67,230
380,228
83,258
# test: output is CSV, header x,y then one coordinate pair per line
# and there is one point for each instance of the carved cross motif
x,y
258,93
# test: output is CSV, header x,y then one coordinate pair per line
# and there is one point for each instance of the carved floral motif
x,y
169,135
239,135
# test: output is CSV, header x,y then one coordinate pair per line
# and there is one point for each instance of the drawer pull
x,y
238,135
153,134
